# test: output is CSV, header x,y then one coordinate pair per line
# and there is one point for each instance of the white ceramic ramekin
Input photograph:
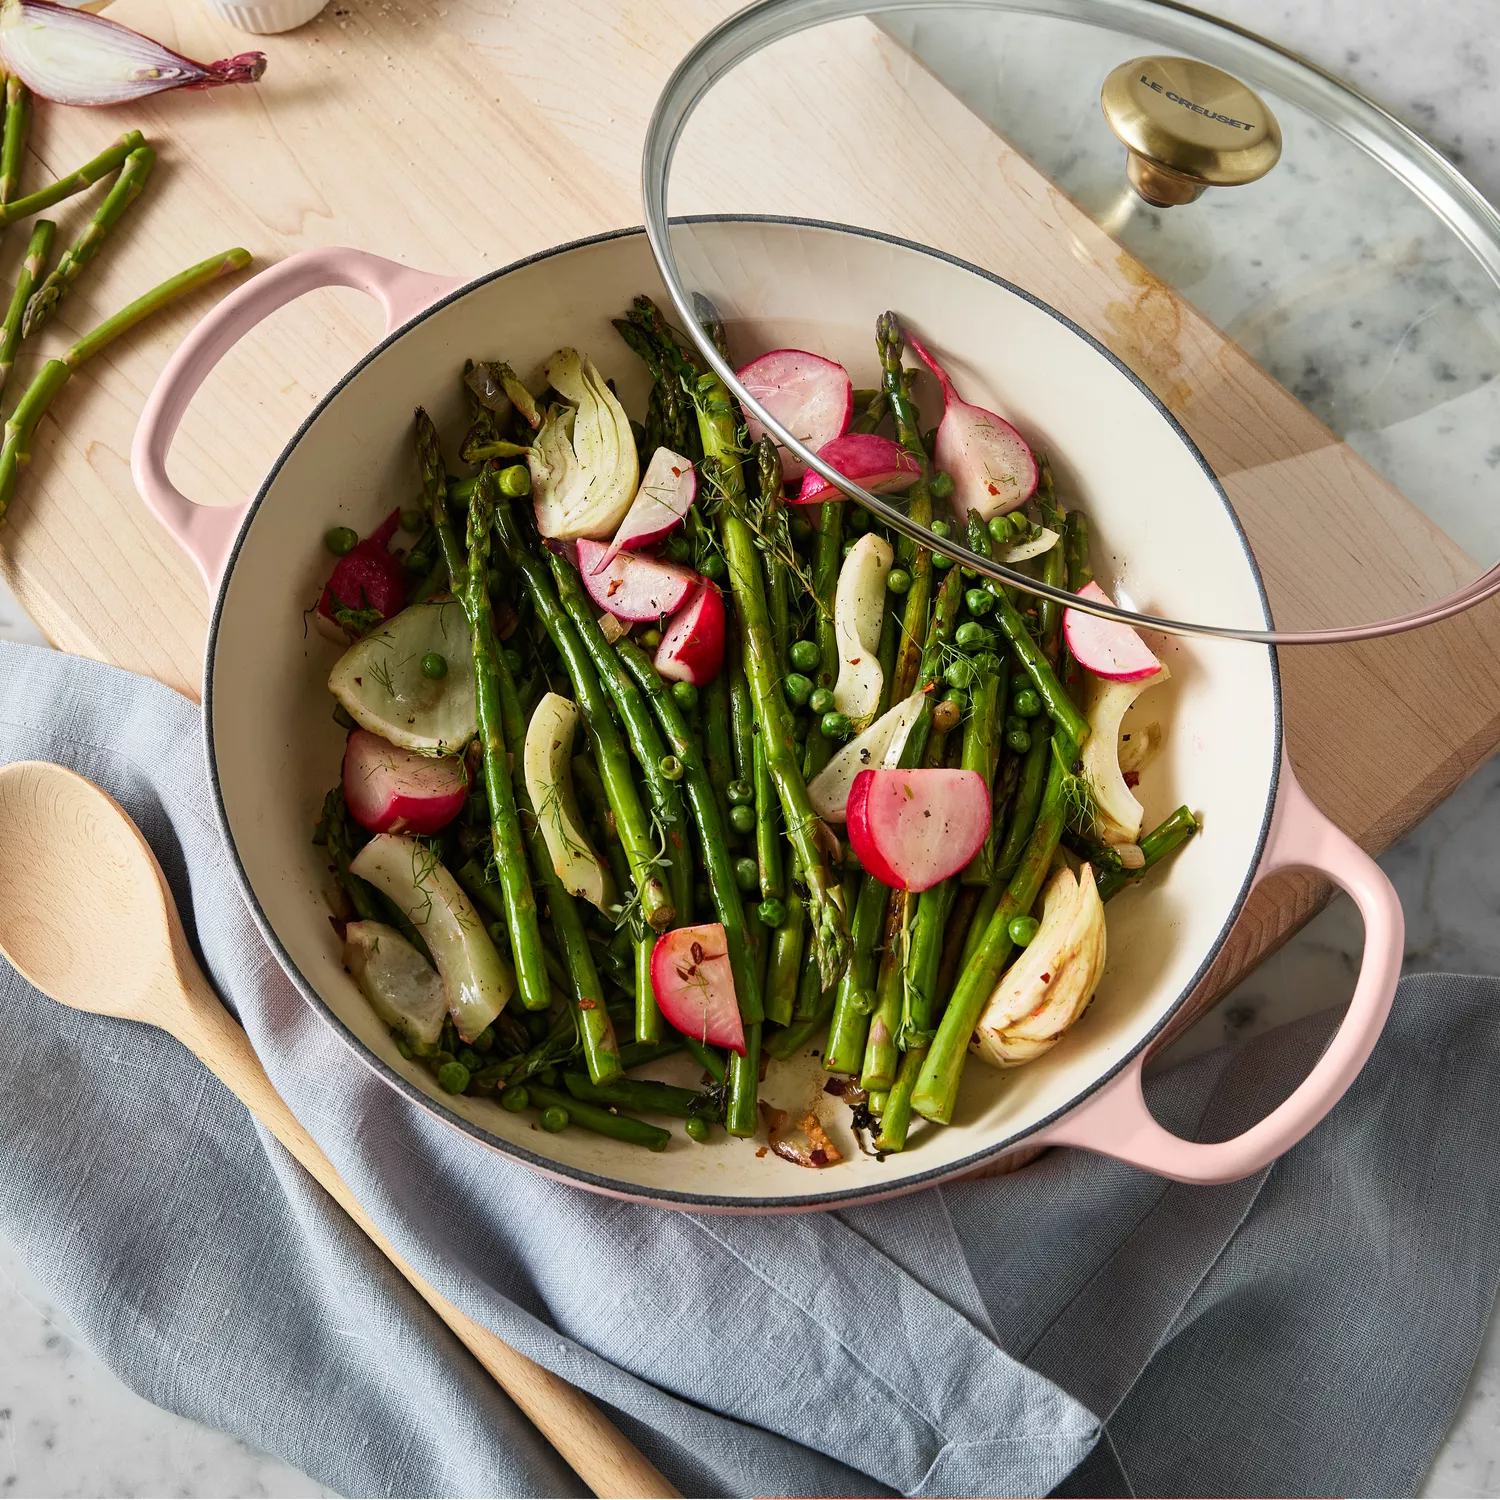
x,y
264,17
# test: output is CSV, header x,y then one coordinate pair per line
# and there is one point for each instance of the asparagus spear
x,y
128,186
609,748
17,127
1170,834
16,209
740,1109
890,342
767,828
717,867
601,1121
37,253
718,751
826,562
773,520
469,583
54,375
640,728
830,932
936,1089
644,1095
1061,707
784,972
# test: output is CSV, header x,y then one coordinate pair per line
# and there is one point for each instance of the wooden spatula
x,y
87,917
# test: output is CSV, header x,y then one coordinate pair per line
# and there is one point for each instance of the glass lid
x,y
1225,306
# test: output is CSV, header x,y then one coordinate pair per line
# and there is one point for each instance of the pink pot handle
x,y
1116,1122
207,532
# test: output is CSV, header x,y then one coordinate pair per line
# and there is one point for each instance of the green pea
x,y
1018,740
402,1045
746,874
772,911
849,546
897,581
970,634
515,1099
797,688
343,718
555,1118
742,817
341,540
805,655
986,662
513,659
670,767
453,1077
941,562
470,1059
698,1129
958,696
679,549
820,701
485,1041
547,1078
942,485
801,529
979,601
999,529
1027,703
515,481
836,726
1019,525
959,674
651,638
1022,930
858,519
412,521
686,695
714,567
941,528
435,665
739,791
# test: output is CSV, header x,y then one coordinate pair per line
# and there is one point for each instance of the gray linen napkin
x,y
1308,1331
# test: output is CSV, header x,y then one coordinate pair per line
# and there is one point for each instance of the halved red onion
x,y
74,57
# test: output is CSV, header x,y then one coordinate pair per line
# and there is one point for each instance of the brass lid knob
x,y
1188,126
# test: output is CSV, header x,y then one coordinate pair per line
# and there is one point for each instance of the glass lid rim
x,y
766,22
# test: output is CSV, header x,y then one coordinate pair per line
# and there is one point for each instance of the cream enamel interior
x,y
1162,536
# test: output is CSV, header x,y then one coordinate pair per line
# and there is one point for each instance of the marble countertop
x,y
1428,62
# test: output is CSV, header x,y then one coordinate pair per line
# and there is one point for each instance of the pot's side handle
x,y
1116,1121
207,532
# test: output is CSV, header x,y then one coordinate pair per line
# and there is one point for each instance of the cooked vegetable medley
x,y
682,751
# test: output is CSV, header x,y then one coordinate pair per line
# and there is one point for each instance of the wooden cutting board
x,y
457,135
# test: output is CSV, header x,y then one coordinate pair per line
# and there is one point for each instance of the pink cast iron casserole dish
x,y
1165,537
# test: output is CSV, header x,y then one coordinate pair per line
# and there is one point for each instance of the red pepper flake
x,y
1046,979
762,1151
1132,778
835,1086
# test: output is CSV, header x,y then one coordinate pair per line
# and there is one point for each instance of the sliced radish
x,y
390,790
873,461
367,585
992,467
547,764
666,495
912,829
694,985
858,605
878,747
812,397
1107,648
380,681
632,587
692,646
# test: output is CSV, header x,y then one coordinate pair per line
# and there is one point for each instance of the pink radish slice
x,y
692,646
1107,648
812,397
390,790
912,829
666,495
992,467
633,587
873,461
694,985
368,577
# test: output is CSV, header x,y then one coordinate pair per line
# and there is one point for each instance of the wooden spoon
x,y
87,917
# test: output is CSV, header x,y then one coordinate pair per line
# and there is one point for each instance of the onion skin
x,y
74,57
